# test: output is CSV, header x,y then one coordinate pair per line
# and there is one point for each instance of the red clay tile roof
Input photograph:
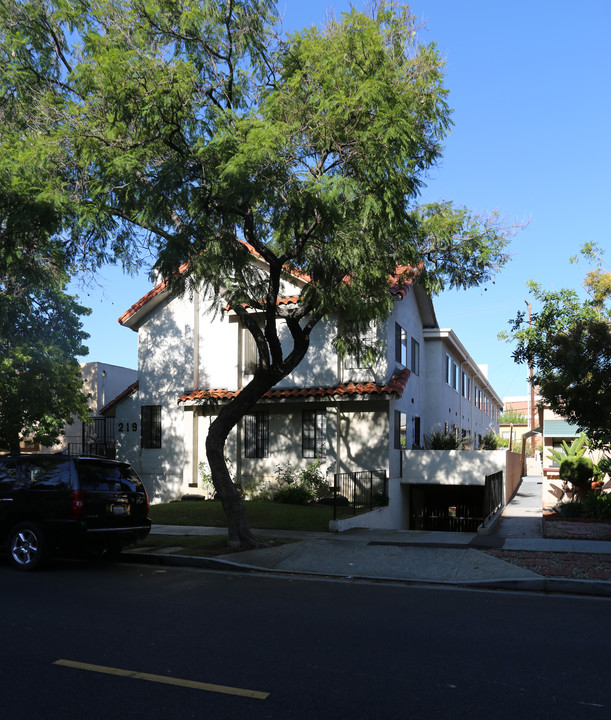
x,y
396,385
149,296
394,287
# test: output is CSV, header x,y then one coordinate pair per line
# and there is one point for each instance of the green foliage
x,y
295,494
576,449
300,486
568,342
604,466
313,149
193,133
597,505
439,440
512,417
40,328
490,441
578,471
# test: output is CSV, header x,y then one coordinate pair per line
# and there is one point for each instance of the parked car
x,y
52,503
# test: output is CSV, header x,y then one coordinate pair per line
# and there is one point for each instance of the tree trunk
x,y
240,534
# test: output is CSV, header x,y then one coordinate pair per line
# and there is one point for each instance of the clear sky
x,y
529,84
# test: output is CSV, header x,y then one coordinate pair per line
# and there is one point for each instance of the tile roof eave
x,y
343,391
121,396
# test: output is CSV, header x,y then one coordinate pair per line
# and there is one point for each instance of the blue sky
x,y
529,85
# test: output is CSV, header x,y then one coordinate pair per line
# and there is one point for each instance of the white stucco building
x,y
192,358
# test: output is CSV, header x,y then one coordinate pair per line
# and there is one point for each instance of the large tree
x,y
40,328
198,129
568,343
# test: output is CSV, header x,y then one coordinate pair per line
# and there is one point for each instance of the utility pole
x,y
532,389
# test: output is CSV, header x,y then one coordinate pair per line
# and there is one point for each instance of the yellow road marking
x,y
163,679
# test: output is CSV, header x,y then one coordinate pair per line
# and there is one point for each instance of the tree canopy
x,y
569,345
40,329
198,133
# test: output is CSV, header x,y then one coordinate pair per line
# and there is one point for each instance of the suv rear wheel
x,y
27,546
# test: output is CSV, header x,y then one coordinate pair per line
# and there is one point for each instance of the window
x,y
368,340
466,386
150,426
8,474
415,366
400,430
416,425
251,354
400,345
448,370
313,433
256,435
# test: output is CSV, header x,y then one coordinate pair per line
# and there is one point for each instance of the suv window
x,y
107,477
8,474
47,473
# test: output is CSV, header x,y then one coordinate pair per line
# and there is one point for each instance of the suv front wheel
x,y
27,546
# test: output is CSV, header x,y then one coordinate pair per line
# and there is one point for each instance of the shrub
x,y
578,471
490,441
598,505
295,494
440,440
300,489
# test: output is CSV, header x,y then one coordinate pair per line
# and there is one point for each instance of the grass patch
x,y
197,545
261,515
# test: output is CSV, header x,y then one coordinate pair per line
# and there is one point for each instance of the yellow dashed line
x,y
163,679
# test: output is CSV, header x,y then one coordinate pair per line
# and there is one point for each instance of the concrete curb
x,y
565,586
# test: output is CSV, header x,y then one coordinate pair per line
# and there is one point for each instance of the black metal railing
x,y
359,492
493,494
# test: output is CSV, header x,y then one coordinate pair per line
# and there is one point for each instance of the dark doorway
x,y
448,508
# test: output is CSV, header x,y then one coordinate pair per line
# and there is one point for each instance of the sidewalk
x,y
514,555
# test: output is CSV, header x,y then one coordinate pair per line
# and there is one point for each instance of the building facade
x,y
343,413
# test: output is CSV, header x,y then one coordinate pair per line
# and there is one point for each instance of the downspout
x,y
195,433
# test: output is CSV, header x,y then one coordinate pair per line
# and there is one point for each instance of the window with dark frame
x,y
415,366
400,345
314,433
368,339
256,435
150,427
416,424
400,430
251,353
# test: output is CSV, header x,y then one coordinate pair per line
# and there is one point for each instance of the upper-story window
x,y
400,345
466,386
452,372
400,430
415,359
356,361
251,354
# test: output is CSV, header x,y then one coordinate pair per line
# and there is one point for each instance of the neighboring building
x,y
102,382
192,359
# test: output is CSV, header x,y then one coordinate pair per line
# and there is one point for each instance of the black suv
x,y
58,502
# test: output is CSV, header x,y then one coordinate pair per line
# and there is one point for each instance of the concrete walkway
x,y
411,556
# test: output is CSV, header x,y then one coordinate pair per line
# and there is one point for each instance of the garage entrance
x,y
446,508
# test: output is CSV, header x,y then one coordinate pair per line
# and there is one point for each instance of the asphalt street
x,y
106,641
